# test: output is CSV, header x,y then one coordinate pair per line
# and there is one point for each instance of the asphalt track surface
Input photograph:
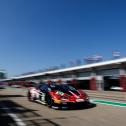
x,y
16,110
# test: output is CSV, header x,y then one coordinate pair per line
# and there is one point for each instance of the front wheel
x,y
49,101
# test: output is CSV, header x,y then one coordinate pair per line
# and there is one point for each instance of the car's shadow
x,y
89,106
10,111
7,96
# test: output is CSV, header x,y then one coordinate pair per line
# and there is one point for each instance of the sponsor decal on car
x,y
57,101
60,93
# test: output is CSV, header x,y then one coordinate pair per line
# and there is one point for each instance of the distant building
x,y
104,75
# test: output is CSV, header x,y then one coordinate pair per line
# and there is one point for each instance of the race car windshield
x,y
67,88
63,88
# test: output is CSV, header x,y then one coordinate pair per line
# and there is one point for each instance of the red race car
x,y
58,96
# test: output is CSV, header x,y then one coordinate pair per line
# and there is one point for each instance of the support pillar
x,y
93,84
122,81
74,83
100,83
122,78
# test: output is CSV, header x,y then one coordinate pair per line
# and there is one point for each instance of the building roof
x,y
87,66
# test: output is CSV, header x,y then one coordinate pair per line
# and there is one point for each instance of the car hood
x,y
70,94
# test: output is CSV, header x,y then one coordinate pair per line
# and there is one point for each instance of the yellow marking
x,y
57,101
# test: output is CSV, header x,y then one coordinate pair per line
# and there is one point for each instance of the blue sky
x,y
36,34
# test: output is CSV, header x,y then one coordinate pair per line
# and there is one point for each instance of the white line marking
x,y
17,120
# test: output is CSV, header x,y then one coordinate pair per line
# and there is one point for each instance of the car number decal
x,y
42,96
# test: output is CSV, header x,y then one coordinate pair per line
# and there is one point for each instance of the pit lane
x,y
35,114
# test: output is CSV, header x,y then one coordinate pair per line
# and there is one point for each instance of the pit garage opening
x,y
84,84
81,84
112,83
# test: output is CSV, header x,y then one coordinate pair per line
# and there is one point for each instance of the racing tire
x,y
49,101
30,98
